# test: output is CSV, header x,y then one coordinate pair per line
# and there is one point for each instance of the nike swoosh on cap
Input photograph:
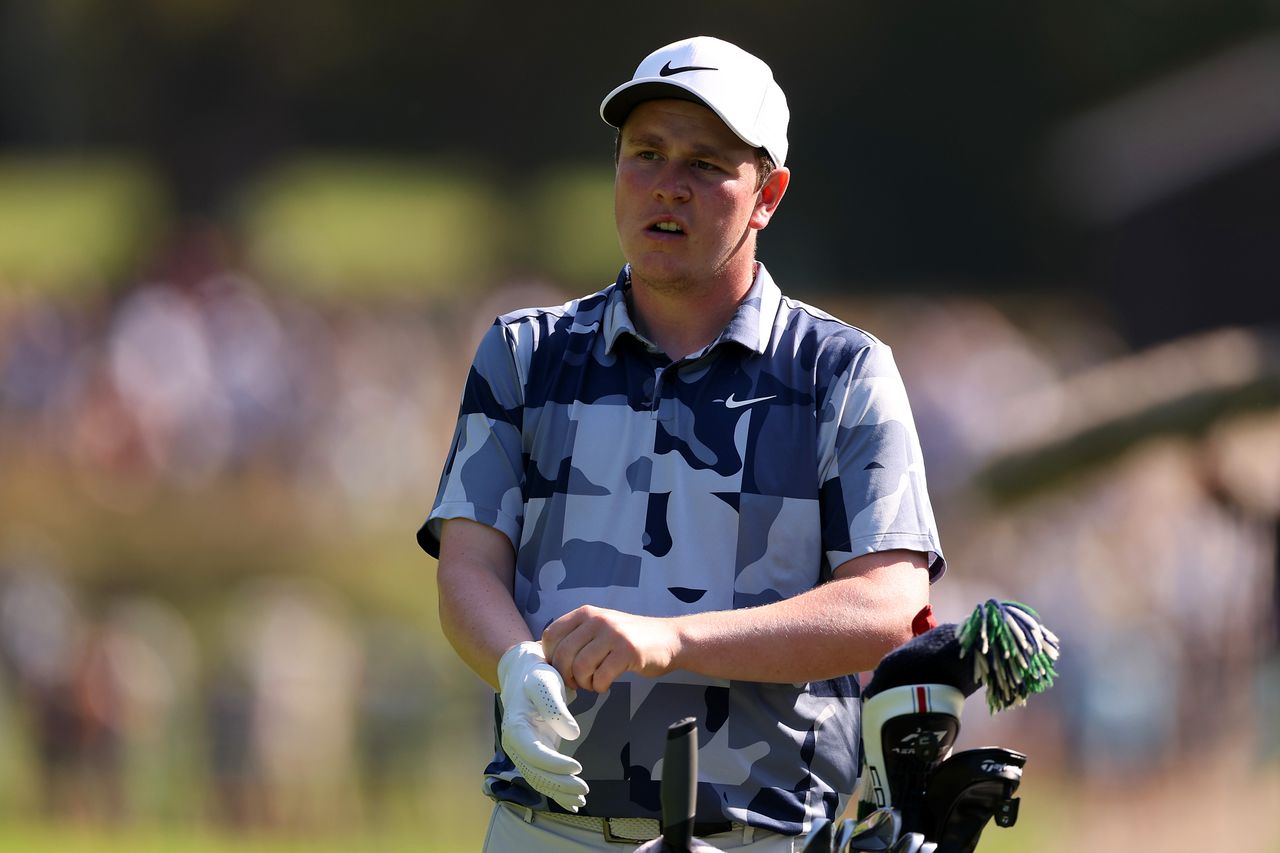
x,y
667,70
738,404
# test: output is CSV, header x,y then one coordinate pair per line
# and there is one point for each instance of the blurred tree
x,y
918,129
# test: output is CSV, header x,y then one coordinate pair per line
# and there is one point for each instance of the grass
x,y
453,818
85,839
1057,815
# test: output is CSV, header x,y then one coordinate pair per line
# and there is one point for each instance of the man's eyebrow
x,y
700,150
652,140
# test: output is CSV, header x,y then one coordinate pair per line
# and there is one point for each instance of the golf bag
x,y
911,718
916,794
908,735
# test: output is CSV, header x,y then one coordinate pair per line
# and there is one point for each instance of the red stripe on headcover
x,y
924,621
922,699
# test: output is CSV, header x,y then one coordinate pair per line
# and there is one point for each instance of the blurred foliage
x,y
70,222
322,225
567,225
917,130
196,548
374,225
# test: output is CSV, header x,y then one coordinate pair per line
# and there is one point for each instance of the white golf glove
x,y
535,716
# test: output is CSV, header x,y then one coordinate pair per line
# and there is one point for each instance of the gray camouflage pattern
x,y
737,476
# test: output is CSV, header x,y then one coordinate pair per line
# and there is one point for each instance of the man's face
x,y
685,195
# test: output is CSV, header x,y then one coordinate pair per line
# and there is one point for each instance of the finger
x,y
553,785
565,649
521,741
588,660
571,804
546,692
558,630
558,648
569,791
608,671
551,638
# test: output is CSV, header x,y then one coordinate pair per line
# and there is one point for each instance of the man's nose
x,y
672,184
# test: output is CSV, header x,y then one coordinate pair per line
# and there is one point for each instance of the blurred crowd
x,y
294,709
177,386
294,717
1157,567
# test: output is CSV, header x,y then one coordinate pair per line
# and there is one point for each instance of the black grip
x,y
679,785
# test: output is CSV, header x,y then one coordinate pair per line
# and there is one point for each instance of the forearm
x,y
477,612
838,628
841,627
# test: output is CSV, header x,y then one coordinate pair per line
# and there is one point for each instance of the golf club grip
x,y
679,785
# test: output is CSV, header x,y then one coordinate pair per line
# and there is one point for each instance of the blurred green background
x,y
247,249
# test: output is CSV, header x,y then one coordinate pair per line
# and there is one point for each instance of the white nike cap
x,y
732,83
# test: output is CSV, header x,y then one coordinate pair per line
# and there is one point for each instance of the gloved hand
x,y
535,716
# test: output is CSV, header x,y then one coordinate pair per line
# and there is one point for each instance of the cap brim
x,y
619,103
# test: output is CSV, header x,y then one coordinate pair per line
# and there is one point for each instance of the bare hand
x,y
591,646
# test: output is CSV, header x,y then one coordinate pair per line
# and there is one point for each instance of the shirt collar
x,y
617,319
750,326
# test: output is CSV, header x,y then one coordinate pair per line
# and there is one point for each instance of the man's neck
x,y
684,319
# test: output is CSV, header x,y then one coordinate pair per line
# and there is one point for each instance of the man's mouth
x,y
667,227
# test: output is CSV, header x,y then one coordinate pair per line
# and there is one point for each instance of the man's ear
x,y
770,196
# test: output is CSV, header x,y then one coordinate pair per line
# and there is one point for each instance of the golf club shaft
x,y
679,785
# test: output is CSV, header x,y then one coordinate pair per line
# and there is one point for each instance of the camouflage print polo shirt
x,y
737,476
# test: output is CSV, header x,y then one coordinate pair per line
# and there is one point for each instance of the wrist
x,y
682,643
521,656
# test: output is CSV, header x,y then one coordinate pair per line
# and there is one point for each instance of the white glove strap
x,y
520,658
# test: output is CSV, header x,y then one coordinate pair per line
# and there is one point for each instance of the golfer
x,y
684,495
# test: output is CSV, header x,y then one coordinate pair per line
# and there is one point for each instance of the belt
x,y
625,830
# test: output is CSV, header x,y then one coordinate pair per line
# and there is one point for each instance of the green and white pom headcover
x,y
1002,646
1012,652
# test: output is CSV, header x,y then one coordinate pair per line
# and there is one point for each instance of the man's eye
x,y
704,165
647,155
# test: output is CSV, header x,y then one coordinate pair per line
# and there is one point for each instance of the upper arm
x,y
873,491
467,546
882,563
895,583
483,477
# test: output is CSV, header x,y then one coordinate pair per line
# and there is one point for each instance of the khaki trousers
x,y
515,829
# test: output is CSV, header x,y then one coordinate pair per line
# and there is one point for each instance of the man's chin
x,y
660,276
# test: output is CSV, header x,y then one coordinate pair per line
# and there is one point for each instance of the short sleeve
x,y
873,491
483,476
